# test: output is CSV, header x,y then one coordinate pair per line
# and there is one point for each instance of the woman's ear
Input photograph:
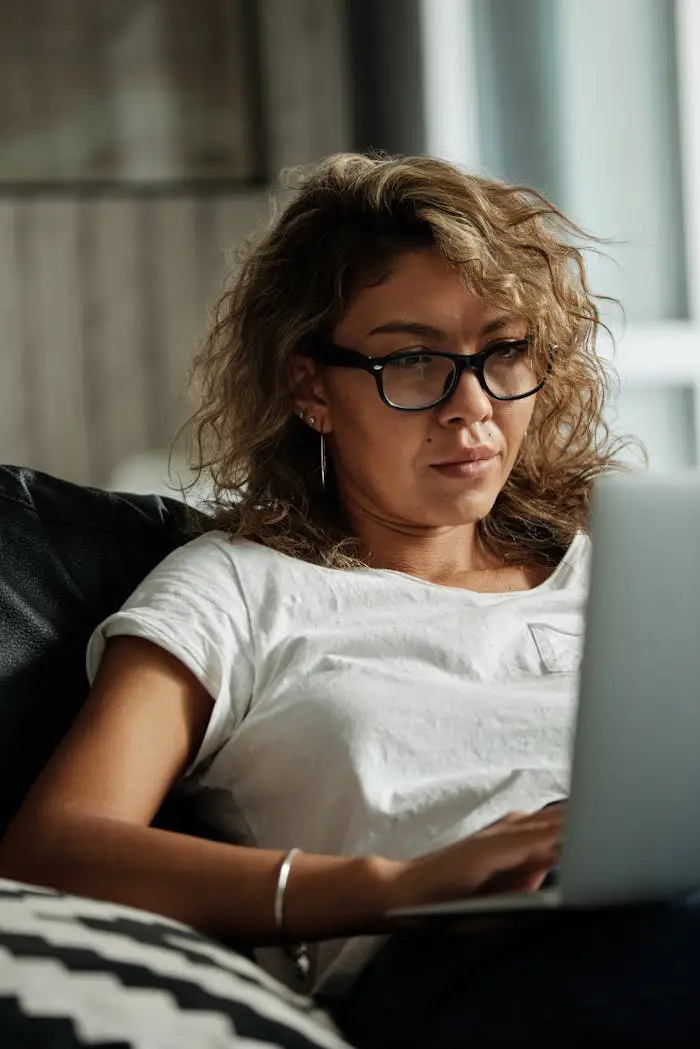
x,y
308,392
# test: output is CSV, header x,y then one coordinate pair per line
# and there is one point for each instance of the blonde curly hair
x,y
348,219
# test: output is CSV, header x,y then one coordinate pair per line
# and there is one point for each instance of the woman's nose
x,y
468,402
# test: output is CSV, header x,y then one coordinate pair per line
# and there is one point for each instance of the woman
x,y
371,657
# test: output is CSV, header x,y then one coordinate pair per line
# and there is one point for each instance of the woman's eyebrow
x,y
499,322
426,331
429,331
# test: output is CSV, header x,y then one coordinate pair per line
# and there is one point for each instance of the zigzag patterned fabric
x,y
76,972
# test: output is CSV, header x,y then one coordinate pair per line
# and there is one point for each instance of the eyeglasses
x,y
416,379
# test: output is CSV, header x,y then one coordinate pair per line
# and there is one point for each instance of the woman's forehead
x,y
422,289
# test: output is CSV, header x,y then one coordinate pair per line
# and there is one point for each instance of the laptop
x,y
632,821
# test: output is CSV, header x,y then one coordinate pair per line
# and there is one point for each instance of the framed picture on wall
x,y
134,91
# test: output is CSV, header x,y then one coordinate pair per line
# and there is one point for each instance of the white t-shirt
x,y
363,711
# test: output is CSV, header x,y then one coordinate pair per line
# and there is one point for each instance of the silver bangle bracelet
x,y
282,879
298,952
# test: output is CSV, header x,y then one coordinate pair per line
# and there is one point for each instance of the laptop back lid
x,y
633,819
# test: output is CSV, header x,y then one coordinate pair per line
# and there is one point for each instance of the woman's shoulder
x,y
215,547
211,565
220,561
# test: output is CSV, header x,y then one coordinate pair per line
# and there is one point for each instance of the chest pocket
x,y
559,650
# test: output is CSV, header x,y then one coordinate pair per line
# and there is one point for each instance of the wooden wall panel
x,y
182,307
14,434
102,304
54,293
116,354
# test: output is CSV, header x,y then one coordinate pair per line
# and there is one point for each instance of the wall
x,y
102,302
104,294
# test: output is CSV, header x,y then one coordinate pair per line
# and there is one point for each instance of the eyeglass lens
x,y
419,380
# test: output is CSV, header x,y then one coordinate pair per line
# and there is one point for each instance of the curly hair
x,y
348,220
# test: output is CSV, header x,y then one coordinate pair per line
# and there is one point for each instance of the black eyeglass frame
x,y
329,353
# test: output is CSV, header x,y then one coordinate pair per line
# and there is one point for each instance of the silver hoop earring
x,y
311,420
323,461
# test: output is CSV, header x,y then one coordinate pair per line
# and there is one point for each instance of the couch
x,y
75,971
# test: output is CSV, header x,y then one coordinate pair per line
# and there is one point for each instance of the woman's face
x,y
399,467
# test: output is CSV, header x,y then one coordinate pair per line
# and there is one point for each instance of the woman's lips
x,y
468,467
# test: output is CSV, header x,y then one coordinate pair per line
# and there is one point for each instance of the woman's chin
x,y
468,508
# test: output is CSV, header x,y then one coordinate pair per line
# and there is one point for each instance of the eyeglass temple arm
x,y
331,354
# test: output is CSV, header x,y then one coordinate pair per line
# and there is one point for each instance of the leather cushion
x,y
69,556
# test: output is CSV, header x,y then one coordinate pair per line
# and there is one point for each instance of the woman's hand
x,y
512,854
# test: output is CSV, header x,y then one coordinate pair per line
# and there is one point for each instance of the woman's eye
x,y
510,351
418,360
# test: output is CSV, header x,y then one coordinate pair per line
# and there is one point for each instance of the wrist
x,y
333,896
385,879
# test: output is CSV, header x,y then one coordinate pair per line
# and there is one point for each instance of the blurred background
x,y
138,138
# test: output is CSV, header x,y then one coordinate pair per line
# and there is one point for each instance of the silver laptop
x,y
632,823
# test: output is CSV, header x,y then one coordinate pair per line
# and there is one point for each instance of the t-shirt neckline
x,y
551,583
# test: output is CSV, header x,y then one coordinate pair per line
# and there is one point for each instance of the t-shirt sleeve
x,y
193,606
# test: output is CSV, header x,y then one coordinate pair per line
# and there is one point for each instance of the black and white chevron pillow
x,y
76,972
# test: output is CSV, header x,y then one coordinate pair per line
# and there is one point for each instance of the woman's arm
x,y
85,827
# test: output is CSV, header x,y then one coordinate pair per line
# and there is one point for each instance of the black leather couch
x,y
69,556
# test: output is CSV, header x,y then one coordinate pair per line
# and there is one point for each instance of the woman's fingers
x,y
521,822
513,854
530,848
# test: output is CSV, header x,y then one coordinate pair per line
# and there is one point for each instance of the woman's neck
x,y
453,557
436,554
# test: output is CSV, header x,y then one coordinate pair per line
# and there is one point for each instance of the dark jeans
x,y
620,977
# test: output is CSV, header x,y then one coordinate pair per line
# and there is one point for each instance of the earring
x,y
312,422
